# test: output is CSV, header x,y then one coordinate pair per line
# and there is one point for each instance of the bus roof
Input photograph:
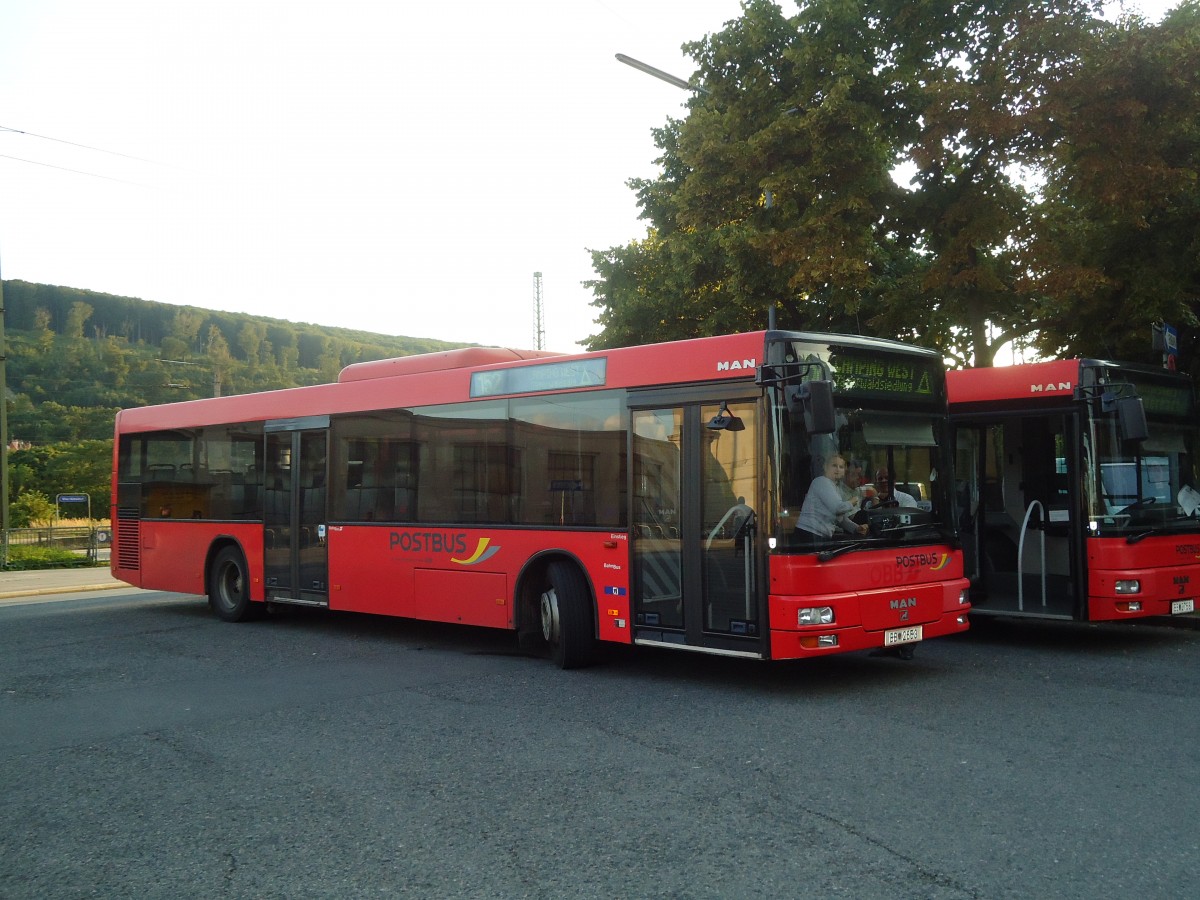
x,y
471,373
446,377
1054,379
461,358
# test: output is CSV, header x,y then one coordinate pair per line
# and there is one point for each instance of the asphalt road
x,y
148,750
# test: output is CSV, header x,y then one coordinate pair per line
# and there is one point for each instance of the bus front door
x,y
696,559
294,553
1020,530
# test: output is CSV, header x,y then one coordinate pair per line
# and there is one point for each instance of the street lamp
x,y
768,198
659,74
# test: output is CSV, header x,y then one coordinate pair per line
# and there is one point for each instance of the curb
x,y
65,589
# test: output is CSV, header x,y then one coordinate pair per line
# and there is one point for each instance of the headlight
x,y
1129,586
964,597
815,615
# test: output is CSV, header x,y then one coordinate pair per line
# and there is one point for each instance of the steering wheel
x,y
1141,503
876,503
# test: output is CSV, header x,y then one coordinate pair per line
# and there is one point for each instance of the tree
x,y
32,510
77,318
186,326
1118,248
251,338
762,199
779,185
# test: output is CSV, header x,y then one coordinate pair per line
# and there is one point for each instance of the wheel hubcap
x,y
550,616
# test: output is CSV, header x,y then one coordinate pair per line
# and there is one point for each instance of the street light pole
x,y
3,435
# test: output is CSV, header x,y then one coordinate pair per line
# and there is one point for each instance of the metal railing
x,y
90,542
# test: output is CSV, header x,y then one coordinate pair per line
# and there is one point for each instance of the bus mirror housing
x,y
1131,416
814,399
724,420
1131,419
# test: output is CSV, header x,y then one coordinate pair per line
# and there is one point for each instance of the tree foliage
x,y
32,509
781,185
1118,244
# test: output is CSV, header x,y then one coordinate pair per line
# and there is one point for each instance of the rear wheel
x,y
566,616
229,587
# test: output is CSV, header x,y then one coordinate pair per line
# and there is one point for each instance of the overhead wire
x,y
73,144
34,162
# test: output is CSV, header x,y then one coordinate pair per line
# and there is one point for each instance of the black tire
x,y
229,587
568,625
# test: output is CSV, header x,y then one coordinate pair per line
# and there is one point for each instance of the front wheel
x,y
566,616
229,587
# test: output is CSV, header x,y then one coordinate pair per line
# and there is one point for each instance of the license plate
x,y
902,636
1182,606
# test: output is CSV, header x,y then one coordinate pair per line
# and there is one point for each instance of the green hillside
x,y
75,357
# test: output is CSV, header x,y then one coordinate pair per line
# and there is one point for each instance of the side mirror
x,y
1131,415
1131,419
814,399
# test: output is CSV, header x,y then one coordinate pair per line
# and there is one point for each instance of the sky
x,y
400,168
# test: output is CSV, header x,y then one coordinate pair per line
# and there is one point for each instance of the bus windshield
x,y
873,480
1138,487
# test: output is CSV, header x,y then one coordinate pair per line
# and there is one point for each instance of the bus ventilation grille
x,y
129,539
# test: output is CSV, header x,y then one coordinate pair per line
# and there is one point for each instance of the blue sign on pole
x,y
72,498
1170,347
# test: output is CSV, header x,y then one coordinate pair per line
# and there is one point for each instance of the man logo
x,y
733,365
1051,386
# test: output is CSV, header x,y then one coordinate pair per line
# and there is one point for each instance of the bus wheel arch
x,y
558,610
227,581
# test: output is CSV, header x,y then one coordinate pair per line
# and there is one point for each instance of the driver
x,y
886,495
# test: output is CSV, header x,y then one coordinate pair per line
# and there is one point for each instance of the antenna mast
x,y
539,330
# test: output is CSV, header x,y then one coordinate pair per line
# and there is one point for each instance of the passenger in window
x,y
824,512
886,495
850,487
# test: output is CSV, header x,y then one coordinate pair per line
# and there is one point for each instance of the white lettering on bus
x,y
736,365
1039,388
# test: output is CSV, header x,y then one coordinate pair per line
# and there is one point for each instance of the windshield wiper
x,y
826,555
1140,536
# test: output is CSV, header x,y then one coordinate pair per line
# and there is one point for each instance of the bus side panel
x,y
1166,568
469,598
456,574
174,554
869,593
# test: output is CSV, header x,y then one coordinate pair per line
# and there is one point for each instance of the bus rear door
x,y
295,494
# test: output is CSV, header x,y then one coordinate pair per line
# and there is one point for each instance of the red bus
x,y
646,495
1077,489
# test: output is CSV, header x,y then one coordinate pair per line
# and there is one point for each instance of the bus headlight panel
x,y
815,615
1129,586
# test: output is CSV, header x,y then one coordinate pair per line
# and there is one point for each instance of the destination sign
x,y
555,376
883,374
1164,399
